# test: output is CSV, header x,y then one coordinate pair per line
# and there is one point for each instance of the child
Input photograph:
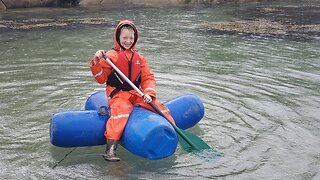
x,y
121,96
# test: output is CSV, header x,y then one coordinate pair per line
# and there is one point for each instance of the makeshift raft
x,y
146,134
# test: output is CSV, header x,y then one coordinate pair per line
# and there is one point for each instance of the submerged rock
x,y
298,15
301,23
261,26
51,23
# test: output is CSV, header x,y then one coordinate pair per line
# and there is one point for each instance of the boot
x,y
110,154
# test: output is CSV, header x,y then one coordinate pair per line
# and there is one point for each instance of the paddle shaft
x,y
133,86
122,75
178,130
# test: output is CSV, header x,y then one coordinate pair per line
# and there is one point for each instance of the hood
x,y
118,47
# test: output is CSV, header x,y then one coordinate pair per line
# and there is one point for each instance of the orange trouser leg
x,y
120,111
162,108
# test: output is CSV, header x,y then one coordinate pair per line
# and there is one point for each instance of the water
x,y
261,96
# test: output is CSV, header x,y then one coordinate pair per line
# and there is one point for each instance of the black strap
x,y
114,92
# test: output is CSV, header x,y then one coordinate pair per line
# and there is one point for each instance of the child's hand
x,y
147,98
98,55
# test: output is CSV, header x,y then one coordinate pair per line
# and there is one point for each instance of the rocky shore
x,y
11,4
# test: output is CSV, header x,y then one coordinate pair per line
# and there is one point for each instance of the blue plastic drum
x,y
147,134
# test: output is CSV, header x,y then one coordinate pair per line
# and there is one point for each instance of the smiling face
x,y
126,37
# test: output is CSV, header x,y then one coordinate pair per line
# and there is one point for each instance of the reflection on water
x,y
261,97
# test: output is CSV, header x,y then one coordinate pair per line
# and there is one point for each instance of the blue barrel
x,y
147,134
186,110
77,128
96,100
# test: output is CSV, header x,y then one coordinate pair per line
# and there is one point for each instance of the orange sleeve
x,y
148,82
101,69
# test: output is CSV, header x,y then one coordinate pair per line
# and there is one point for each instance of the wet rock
x,y
296,23
51,23
261,26
27,3
2,6
286,14
87,3
10,4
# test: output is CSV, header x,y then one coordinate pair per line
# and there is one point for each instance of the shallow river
x,y
261,96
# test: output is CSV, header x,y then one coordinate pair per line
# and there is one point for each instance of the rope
x,y
57,164
65,156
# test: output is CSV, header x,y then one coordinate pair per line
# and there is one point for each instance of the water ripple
x,y
261,99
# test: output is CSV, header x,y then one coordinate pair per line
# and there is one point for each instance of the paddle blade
x,y
191,142
188,141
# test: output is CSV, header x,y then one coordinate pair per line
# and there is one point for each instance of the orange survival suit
x,y
121,97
